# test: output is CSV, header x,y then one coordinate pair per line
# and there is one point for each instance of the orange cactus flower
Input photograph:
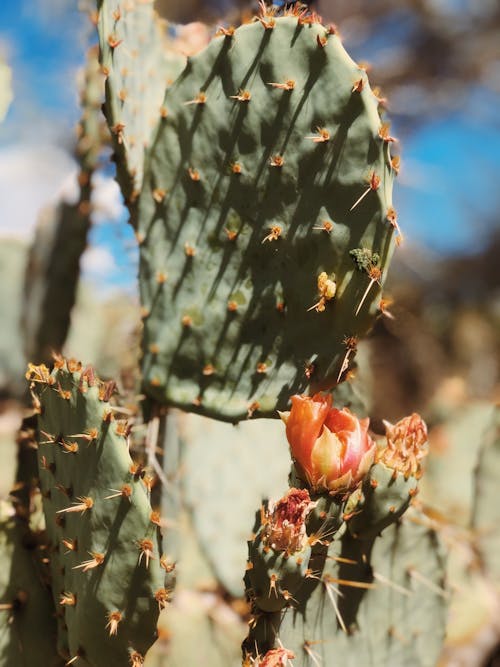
x,y
331,448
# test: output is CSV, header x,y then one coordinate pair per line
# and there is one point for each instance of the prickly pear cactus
x,y
138,66
53,267
373,602
108,576
344,575
265,220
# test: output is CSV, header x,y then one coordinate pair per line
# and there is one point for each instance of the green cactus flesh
x,y
250,207
138,66
486,511
106,565
375,602
26,608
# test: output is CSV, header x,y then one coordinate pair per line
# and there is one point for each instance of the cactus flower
x,y
331,448
407,445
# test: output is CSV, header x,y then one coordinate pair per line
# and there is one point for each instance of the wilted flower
x,y
331,448
285,521
406,445
276,657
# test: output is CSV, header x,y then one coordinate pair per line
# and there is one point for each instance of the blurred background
x,y
436,351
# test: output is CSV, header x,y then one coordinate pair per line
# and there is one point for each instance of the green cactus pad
x,y
138,66
383,497
486,511
391,603
27,615
104,540
247,217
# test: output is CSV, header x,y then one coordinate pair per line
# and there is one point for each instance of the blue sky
x,y
447,197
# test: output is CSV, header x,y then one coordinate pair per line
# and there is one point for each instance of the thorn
x,y
114,617
236,168
358,86
321,41
326,226
201,98
227,32
146,547
96,560
351,343
353,584
85,504
242,96
124,492
71,545
388,582
261,368
330,590
67,599
374,185
277,161
187,321
373,280
208,370
427,582
322,135
274,234
384,133
162,597
289,84
252,408
194,174
232,306
113,42
159,195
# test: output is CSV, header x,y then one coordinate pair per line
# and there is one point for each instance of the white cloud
x,y
30,178
97,263
106,199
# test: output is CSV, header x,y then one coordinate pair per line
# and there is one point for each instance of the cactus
x,y
318,572
5,89
26,607
108,574
138,65
53,267
269,169
13,255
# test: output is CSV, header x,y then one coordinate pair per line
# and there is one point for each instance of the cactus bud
x,y
331,448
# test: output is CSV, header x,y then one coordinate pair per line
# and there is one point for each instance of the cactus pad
x,y
270,166
106,566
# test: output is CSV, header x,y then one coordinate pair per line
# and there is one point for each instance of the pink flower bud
x,y
331,448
